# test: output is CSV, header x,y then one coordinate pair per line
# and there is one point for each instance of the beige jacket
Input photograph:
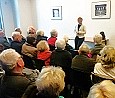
x,y
103,72
29,50
81,32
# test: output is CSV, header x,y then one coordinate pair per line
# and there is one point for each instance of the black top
x,y
79,26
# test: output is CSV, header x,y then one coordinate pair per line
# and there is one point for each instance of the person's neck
x,y
80,23
17,70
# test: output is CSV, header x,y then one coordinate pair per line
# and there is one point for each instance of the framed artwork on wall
x,y
56,13
101,10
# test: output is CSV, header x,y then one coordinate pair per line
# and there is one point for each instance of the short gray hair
x,y
40,32
15,33
51,79
53,33
9,57
60,44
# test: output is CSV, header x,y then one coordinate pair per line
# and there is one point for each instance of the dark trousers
x,y
78,42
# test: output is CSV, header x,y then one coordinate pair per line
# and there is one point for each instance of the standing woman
x,y
80,31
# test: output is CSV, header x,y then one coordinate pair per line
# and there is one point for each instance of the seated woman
x,y
50,83
28,47
98,45
105,69
63,58
82,66
29,52
43,52
105,89
40,35
31,31
51,41
14,82
69,48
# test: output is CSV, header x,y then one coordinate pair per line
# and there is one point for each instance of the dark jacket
x,y
82,66
32,92
62,58
4,42
83,63
17,46
13,86
39,38
96,49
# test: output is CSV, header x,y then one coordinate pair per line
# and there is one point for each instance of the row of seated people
x,y
49,83
62,58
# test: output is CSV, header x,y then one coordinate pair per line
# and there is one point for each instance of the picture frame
x,y
56,13
101,10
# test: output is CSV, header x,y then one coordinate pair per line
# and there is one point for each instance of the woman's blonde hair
x,y
107,57
97,38
105,89
42,46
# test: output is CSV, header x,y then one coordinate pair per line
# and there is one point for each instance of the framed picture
x,y
56,13
101,10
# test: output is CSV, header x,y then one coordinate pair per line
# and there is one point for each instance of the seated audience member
x,y
51,41
63,58
68,47
29,52
50,83
28,47
82,66
17,42
19,30
105,69
98,45
105,89
43,52
40,35
104,42
31,31
13,83
3,40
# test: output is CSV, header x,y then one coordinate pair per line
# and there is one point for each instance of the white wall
x,y
38,14
25,12
71,10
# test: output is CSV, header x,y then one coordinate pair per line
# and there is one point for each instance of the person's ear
x,y
20,62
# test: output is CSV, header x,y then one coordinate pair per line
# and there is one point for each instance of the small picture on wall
x,y
56,13
100,9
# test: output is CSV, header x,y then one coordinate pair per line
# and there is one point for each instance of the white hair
x,y
60,44
15,33
53,33
51,79
9,57
66,38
